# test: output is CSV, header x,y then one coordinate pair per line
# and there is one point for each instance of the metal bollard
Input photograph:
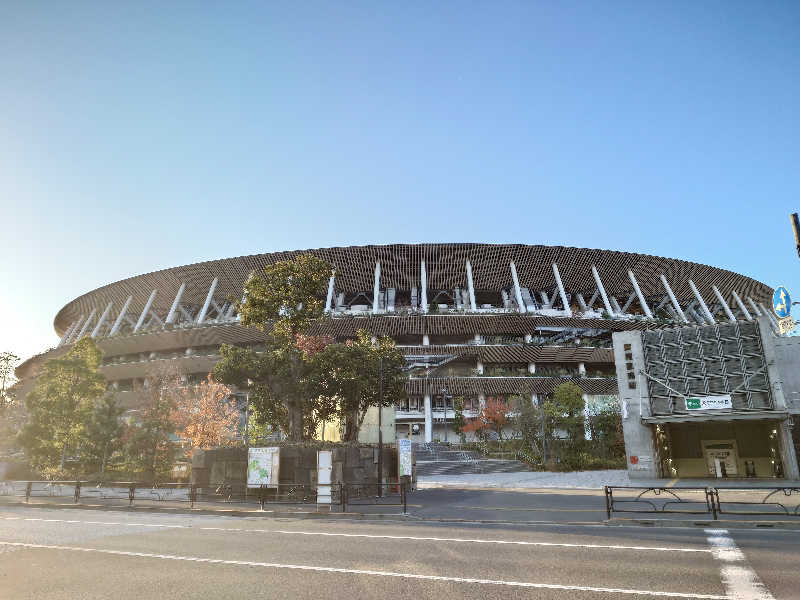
x,y
28,491
261,496
192,495
404,493
77,491
608,500
131,493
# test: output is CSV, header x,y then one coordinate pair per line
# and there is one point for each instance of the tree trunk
x,y
63,455
295,421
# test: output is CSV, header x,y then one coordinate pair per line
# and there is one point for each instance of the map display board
x,y
404,457
263,466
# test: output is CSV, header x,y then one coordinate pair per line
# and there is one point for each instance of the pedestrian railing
x,y
661,500
753,500
714,501
131,492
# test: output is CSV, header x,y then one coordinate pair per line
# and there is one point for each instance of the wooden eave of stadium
x,y
518,353
445,270
505,385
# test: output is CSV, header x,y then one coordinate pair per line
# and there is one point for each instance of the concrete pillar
x,y
786,445
202,316
74,331
471,287
173,310
86,324
428,418
528,338
376,291
479,368
582,369
481,401
531,368
561,291
602,290
674,300
424,289
517,290
329,297
67,333
741,305
146,308
426,341
120,316
478,338
101,320
725,307
639,295
706,313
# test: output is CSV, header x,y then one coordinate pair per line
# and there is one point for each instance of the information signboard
x,y
263,466
709,402
404,457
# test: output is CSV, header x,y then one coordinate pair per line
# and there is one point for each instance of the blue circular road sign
x,y
781,302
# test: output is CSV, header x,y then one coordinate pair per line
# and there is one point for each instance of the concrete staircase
x,y
440,459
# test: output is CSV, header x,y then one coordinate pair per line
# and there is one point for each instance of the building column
x,y
329,297
173,310
725,307
561,291
146,308
531,368
741,305
674,300
202,316
470,287
479,368
601,288
424,288
428,419
120,316
376,289
517,290
426,340
582,369
100,321
786,445
706,313
86,324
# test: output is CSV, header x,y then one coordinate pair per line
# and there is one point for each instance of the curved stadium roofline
x,y
445,270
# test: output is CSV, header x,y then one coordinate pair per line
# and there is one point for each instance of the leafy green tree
x,y
60,406
148,447
283,302
458,418
566,411
7,362
351,377
104,433
532,425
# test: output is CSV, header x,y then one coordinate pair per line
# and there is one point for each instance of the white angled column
x,y
100,322
561,291
173,310
120,316
673,299
754,307
706,313
203,311
741,305
67,333
428,419
517,290
75,330
376,289
639,295
724,304
424,290
145,310
471,287
602,290
86,324
329,297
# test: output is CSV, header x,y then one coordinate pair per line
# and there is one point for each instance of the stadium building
x,y
474,320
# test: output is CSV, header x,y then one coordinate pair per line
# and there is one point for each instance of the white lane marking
x,y
247,563
385,537
740,580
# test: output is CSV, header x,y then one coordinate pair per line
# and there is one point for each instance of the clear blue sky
x,y
137,136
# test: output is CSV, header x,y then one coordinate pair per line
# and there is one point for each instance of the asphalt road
x,y
58,554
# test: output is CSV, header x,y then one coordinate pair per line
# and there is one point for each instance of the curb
x,y
221,512
726,523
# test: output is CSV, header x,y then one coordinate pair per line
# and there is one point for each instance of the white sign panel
x,y
262,466
404,457
324,468
709,402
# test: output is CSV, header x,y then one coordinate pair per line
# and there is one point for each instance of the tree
x,y
60,406
204,415
351,377
532,425
283,302
494,416
7,362
566,412
458,417
148,448
104,432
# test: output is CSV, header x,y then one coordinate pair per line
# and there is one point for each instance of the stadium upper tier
x,y
420,289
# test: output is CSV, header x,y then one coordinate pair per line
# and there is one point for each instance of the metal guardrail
x,y
661,500
130,492
752,500
714,501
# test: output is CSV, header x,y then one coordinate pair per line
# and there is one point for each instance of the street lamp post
x,y
380,426
444,402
